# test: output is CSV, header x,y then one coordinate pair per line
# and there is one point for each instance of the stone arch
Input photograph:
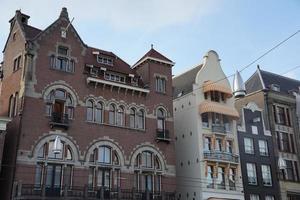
x,y
64,138
105,142
148,147
60,85
168,114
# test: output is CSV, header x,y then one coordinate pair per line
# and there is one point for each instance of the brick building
x,y
84,122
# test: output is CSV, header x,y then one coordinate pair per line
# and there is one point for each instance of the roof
x,y
183,83
152,53
263,80
30,31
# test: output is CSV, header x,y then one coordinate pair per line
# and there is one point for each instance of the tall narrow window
x,y
254,197
221,178
218,145
160,84
266,175
251,173
120,116
11,107
229,146
207,144
147,159
132,118
263,148
160,119
140,119
231,178
89,110
248,144
98,112
205,122
112,114
210,176
104,155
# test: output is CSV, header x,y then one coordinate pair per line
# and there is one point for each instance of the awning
x,y
208,106
211,86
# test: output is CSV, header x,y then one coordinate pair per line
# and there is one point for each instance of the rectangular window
x,y
160,85
104,60
114,77
248,144
104,155
205,120
289,174
38,175
215,96
216,119
270,197
218,146
62,50
266,175
210,176
221,178
91,177
254,130
231,178
284,140
281,115
263,147
229,146
17,63
147,159
207,144
251,173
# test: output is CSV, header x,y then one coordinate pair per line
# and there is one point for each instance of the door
x,y
104,181
58,111
53,180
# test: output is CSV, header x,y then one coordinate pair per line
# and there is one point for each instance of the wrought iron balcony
x,y
162,135
218,129
29,191
59,120
221,156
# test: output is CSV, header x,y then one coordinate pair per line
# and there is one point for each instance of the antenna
x,y
64,31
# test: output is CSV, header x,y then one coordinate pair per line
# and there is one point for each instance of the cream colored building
x,y
207,163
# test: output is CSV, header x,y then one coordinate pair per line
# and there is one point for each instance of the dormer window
x,y
104,60
114,77
275,87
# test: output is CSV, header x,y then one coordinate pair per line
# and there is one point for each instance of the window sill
x,y
58,70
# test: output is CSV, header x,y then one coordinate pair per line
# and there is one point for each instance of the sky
x,y
182,30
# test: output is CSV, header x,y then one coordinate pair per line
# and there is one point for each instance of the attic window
x,y
62,50
114,77
275,87
104,60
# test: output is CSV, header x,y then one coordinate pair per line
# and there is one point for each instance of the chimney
x,y
239,90
20,17
64,13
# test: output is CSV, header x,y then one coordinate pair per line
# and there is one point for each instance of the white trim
x,y
95,52
91,79
155,59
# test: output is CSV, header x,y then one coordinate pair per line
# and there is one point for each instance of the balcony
x,y
29,191
59,120
218,129
163,135
221,156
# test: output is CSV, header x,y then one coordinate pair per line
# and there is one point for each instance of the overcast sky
x,y
182,30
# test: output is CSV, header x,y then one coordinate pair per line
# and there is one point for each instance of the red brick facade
x,y
30,86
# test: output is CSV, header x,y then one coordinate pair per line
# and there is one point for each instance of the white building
x,y
207,163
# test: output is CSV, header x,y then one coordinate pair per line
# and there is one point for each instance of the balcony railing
x,y
218,128
163,135
222,156
28,191
59,119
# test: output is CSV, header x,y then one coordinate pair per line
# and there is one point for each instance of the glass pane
x,y
57,178
38,175
91,177
67,175
49,175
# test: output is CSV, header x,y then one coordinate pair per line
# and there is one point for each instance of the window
x,y
99,112
120,116
283,142
210,176
282,115
226,123
289,171
89,110
216,119
104,155
263,147
132,118
160,85
38,175
207,144
112,114
229,146
114,77
11,106
254,197
215,96
254,130
218,145
270,197
248,144
205,122
251,173
62,60
140,119
147,159
221,178
17,63
104,60
160,119
231,178
266,175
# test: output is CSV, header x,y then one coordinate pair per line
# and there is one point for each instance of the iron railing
x,y
220,155
59,119
163,135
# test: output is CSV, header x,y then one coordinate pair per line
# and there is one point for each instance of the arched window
x,y
112,114
105,168
132,118
11,107
161,119
120,116
99,112
53,163
60,105
89,110
149,171
140,119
